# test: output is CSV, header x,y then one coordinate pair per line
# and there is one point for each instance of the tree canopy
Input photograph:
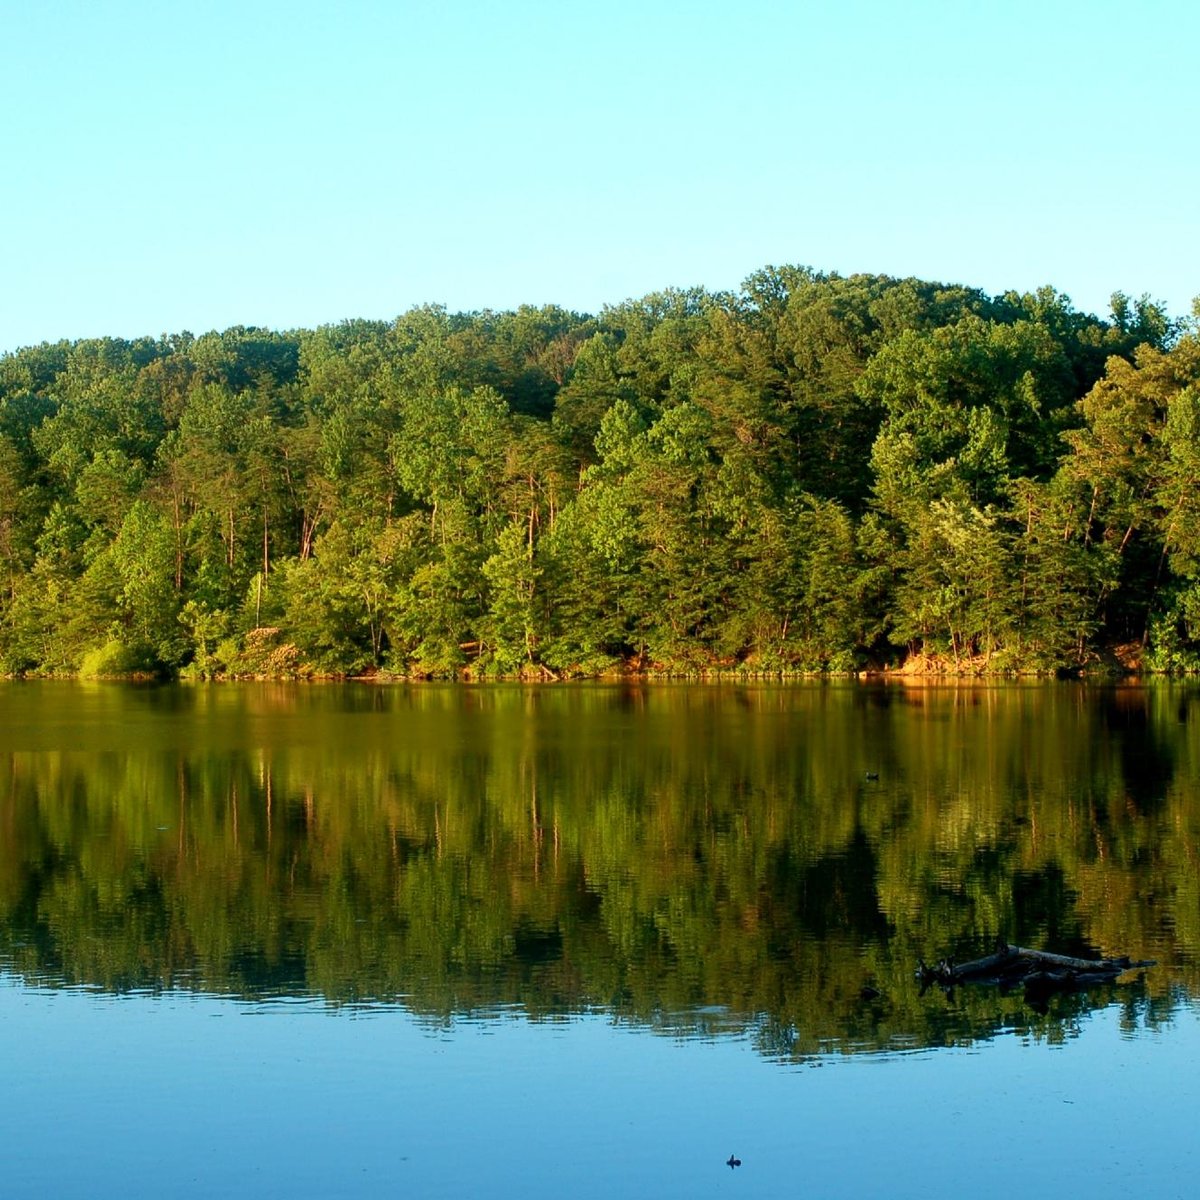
x,y
813,473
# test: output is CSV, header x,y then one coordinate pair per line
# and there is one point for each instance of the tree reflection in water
x,y
694,858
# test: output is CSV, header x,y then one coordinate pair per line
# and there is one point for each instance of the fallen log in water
x,y
1009,966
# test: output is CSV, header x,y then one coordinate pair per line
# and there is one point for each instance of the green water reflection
x,y
692,858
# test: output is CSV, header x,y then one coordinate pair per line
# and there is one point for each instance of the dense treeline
x,y
814,473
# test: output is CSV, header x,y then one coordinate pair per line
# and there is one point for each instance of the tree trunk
x,y
1016,964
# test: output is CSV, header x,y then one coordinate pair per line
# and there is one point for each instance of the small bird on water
x,y
732,1162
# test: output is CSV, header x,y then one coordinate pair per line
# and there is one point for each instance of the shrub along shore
x,y
815,474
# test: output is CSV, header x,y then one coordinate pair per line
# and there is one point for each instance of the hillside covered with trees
x,y
816,473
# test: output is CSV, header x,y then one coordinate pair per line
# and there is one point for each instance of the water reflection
x,y
768,860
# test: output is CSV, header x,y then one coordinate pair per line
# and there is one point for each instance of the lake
x,y
594,940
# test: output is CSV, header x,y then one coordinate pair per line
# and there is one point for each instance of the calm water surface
x,y
590,941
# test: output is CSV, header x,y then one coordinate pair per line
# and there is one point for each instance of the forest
x,y
815,473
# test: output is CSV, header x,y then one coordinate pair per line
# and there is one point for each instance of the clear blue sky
x,y
197,165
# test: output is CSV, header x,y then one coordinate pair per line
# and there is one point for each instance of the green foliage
x,y
810,474
143,555
340,604
204,631
113,660
514,622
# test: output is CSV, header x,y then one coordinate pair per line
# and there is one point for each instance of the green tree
x,y
514,622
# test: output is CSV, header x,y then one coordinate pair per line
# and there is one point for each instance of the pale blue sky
x,y
197,165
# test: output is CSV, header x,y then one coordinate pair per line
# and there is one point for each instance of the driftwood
x,y
1040,972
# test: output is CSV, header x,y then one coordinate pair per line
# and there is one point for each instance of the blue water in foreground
x,y
180,1094
279,941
